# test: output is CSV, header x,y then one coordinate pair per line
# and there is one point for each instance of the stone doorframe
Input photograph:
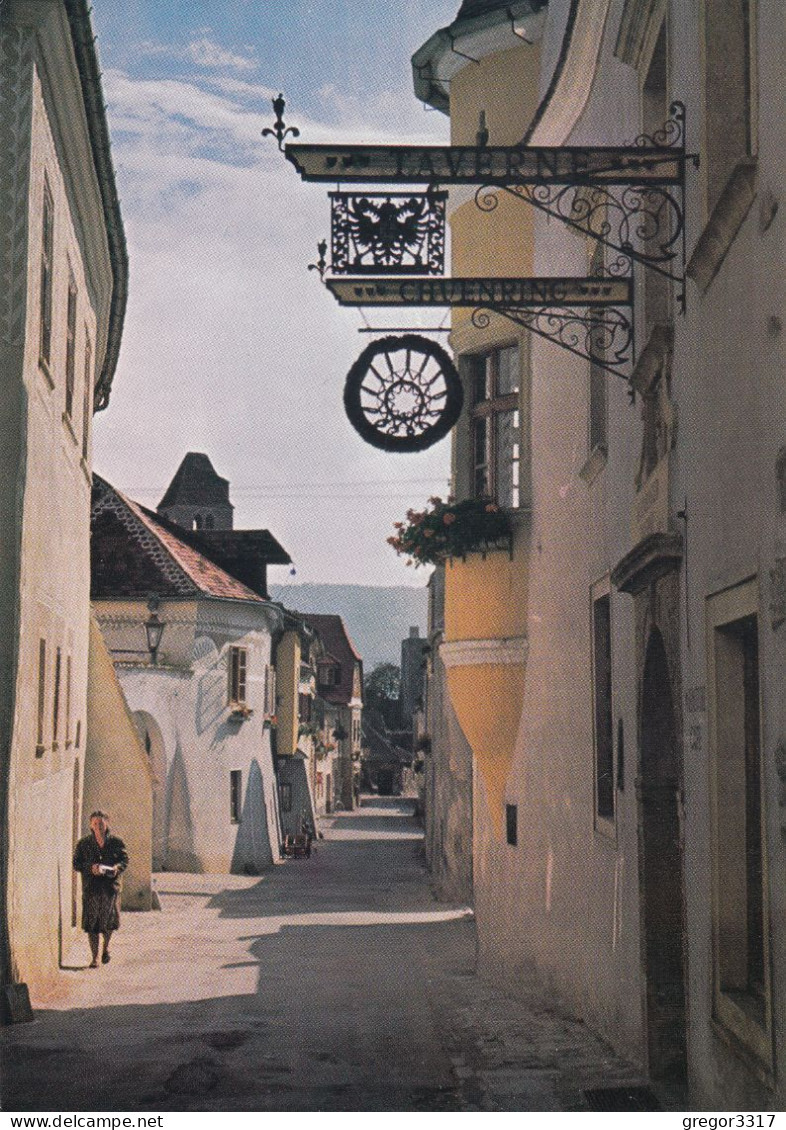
x,y
651,574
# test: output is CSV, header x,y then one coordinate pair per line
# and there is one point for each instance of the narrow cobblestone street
x,y
335,983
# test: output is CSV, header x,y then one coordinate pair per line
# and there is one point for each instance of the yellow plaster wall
x,y
287,682
505,85
117,775
488,699
497,242
486,597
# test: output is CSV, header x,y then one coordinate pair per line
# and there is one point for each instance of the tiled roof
x,y
333,633
133,553
196,483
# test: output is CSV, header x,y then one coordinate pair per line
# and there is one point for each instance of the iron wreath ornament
x,y
403,393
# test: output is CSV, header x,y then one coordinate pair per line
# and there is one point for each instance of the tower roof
x,y
196,484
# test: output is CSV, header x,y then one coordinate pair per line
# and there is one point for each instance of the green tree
x,y
381,688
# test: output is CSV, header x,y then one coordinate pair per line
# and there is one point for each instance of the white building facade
x,y
63,278
628,817
206,707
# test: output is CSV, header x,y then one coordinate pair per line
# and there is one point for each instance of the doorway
x,y
661,871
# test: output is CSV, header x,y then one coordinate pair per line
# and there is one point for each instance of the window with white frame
x,y
238,670
495,422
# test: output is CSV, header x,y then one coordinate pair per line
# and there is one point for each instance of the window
x,y
328,674
68,704
56,697
304,707
47,264
39,749
740,904
70,346
601,686
238,661
285,796
271,698
495,386
511,823
87,401
235,795
730,89
597,438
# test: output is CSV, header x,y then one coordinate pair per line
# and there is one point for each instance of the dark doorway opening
x,y
661,871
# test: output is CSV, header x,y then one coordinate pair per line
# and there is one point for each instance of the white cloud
x,y
231,346
205,53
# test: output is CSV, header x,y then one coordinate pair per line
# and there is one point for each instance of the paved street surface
x,y
334,983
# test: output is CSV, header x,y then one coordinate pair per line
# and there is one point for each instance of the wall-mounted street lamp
x,y
154,629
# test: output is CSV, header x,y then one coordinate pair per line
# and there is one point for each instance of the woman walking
x,y
100,858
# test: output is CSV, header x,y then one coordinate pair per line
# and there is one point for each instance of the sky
x,y
231,346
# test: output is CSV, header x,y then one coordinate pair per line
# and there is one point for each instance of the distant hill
x,y
377,619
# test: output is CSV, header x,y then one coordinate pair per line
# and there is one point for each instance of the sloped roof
x,y
84,44
196,484
134,553
333,633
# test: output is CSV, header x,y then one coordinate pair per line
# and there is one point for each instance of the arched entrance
x,y
153,743
661,870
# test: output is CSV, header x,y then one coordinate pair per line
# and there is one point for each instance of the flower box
x,y
451,529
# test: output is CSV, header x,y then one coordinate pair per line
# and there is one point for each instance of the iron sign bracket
x,y
642,223
629,198
591,318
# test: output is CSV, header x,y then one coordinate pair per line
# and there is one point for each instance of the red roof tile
x,y
162,560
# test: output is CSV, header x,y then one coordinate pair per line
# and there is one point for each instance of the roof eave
x,y
428,87
86,56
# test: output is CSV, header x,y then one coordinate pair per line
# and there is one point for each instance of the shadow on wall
x,y
153,742
181,854
211,696
252,847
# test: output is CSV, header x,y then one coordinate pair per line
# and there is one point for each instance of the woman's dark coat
x,y
100,893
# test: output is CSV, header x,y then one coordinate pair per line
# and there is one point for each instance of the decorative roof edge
x,y
428,88
83,41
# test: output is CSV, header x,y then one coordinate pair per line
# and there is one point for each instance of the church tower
x,y
197,498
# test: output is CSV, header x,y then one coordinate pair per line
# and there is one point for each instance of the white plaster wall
x,y
567,898
564,899
729,365
187,697
51,520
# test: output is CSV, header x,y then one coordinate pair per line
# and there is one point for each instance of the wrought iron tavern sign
x,y
395,234
403,393
482,292
494,164
588,317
